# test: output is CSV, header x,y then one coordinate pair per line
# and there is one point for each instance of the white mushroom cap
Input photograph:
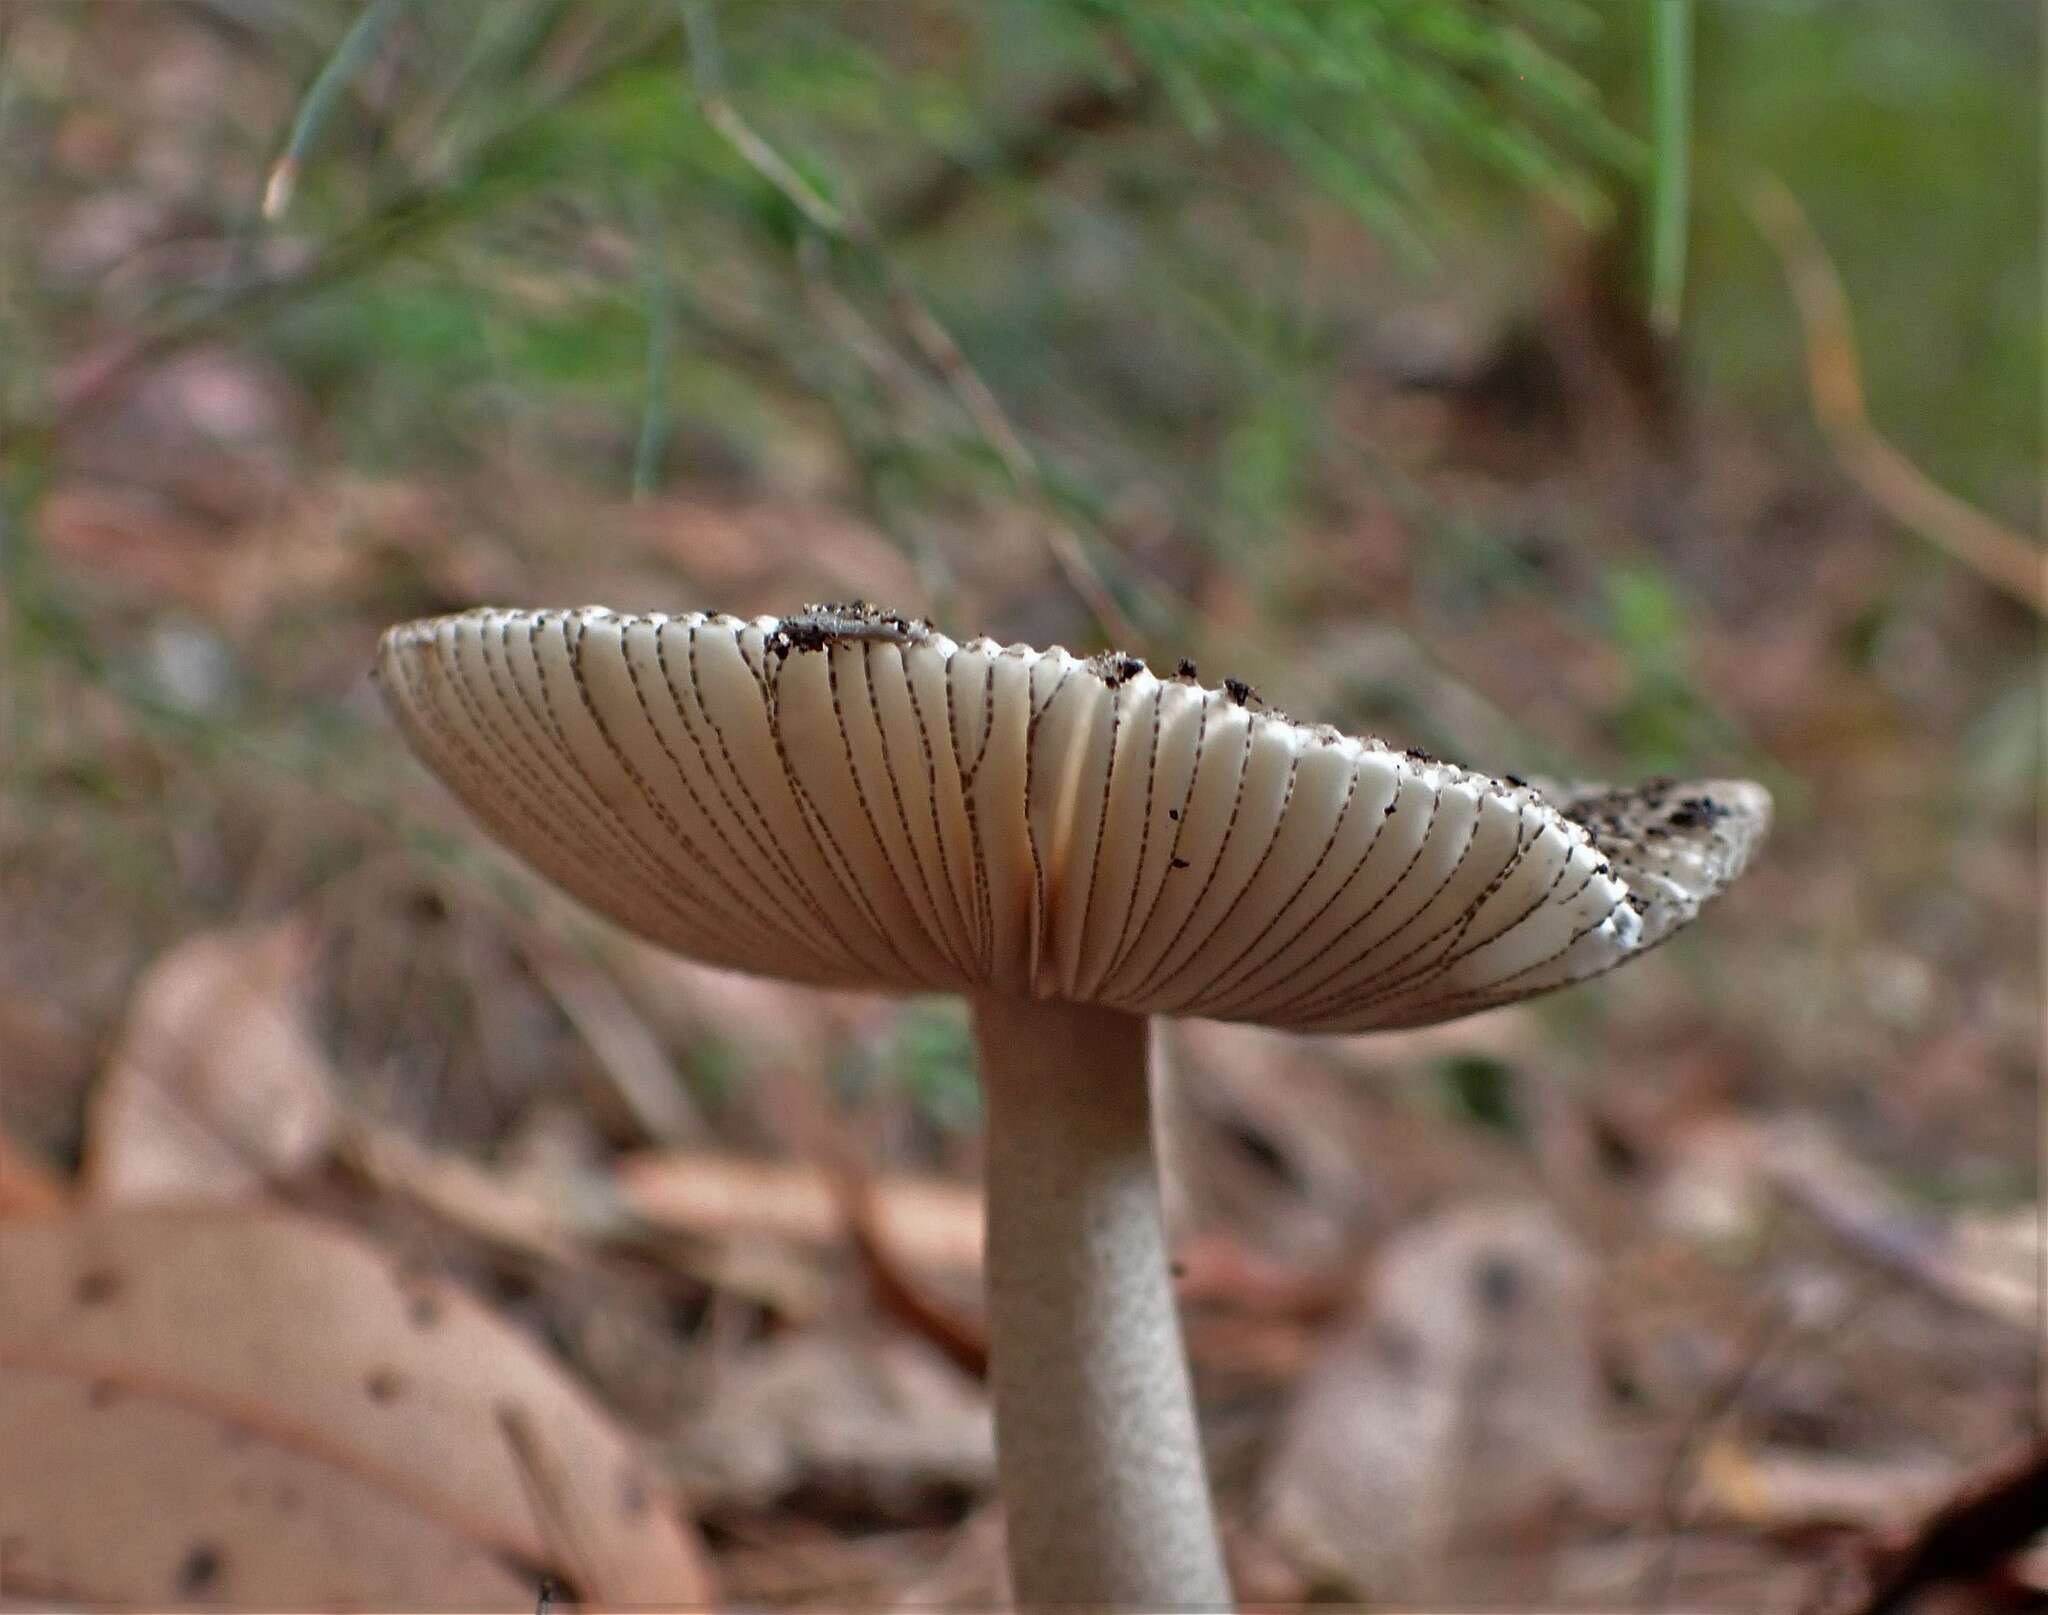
x,y
850,798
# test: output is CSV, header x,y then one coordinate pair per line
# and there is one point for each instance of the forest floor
x,y
1719,1278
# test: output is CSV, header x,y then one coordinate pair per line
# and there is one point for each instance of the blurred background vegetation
x,y
1313,340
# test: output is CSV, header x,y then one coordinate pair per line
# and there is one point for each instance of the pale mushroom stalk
x,y
1105,1493
850,798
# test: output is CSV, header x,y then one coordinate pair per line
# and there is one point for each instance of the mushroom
x,y
849,798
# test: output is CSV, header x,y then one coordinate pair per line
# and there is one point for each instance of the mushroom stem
x,y
1098,1453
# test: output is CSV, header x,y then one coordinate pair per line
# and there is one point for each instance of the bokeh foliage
x,y
1299,317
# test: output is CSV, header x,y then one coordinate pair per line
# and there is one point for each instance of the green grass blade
x,y
333,77
1671,24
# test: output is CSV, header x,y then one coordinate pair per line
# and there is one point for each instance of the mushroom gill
x,y
848,797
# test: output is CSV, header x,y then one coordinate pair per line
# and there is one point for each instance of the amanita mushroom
x,y
847,797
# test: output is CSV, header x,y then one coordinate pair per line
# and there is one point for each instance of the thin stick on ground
x,y
2005,559
824,1139
1971,1536
1759,1338
547,1495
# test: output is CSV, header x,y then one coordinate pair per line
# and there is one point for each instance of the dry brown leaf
x,y
143,547
43,1049
558,1221
266,1357
473,1197
958,1335
215,1087
924,1222
312,543
27,1186
878,1424
133,1499
323,541
1463,1407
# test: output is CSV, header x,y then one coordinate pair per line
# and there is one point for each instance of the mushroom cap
x,y
849,798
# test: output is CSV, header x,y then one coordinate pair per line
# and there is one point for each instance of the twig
x,y
101,377
1855,1208
933,341
1032,148
2002,557
411,219
1969,1537
511,1219
823,1136
913,388
422,131
961,1340
549,1499
638,1070
1763,1334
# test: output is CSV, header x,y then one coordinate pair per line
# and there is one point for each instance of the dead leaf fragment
x,y
274,1356
1462,1407
216,1086
27,1186
925,1222
133,1499
873,1422
486,1203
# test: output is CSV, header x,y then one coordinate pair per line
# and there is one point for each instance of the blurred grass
x,y
1912,134
1670,206
1326,331
1301,312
